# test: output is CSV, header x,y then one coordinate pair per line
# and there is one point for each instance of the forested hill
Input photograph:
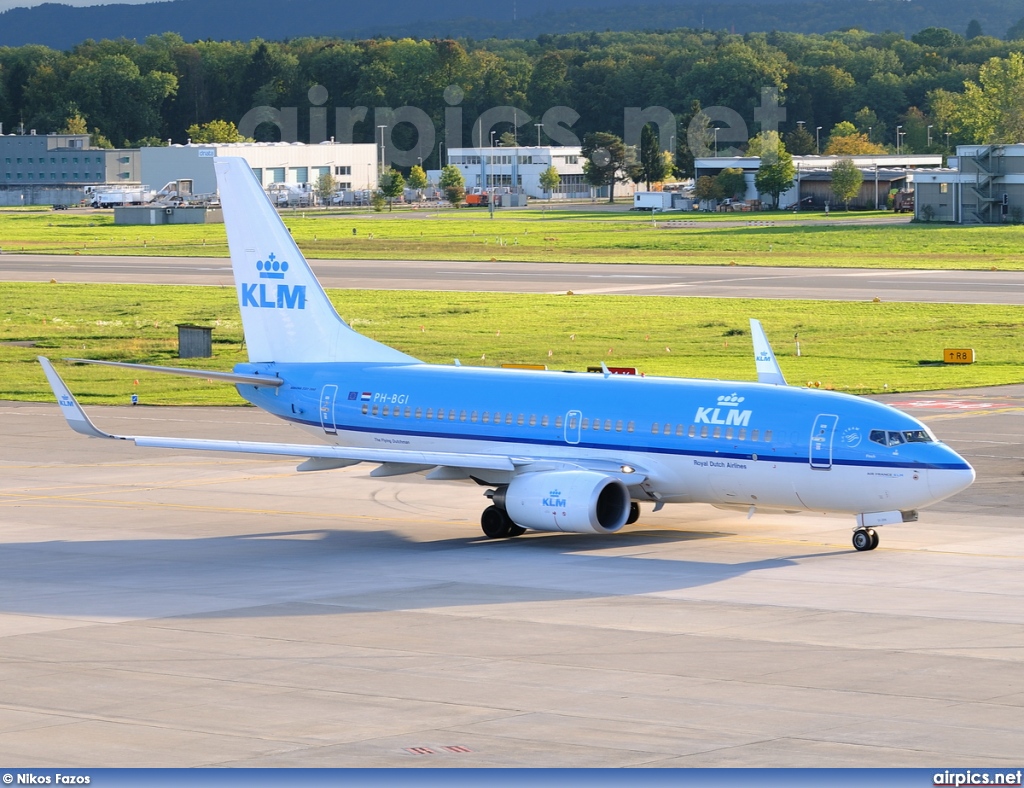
x,y
62,27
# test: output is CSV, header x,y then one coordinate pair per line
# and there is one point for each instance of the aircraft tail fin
x,y
286,314
768,370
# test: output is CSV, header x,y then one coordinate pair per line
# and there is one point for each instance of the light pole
x,y
716,142
898,140
929,136
817,141
672,145
382,147
539,127
947,139
869,133
440,155
492,138
876,187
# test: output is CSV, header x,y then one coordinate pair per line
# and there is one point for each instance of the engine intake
x,y
581,502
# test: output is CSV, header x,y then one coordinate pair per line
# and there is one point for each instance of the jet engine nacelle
x,y
581,502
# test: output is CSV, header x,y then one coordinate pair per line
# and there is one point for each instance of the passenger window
x,y
486,418
451,415
679,430
558,421
630,427
692,431
508,418
520,420
374,413
717,433
607,425
753,435
440,414
655,429
668,429
430,413
767,436
419,413
585,424
704,430
462,415
385,412
618,425
544,421
533,420
743,434
728,433
597,424
366,409
472,417
398,412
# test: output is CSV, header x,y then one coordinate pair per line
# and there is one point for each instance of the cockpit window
x,y
893,438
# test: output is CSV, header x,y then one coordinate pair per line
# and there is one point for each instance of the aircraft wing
x,y
322,457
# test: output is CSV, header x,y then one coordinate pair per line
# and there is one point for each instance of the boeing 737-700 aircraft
x,y
556,451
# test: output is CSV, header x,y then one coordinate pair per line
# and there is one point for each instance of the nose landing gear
x,y
865,539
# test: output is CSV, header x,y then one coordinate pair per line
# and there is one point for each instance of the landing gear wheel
x,y
496,523
515,530
865,539
634,513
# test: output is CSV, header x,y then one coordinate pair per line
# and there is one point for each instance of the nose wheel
x,y
496,524
865,539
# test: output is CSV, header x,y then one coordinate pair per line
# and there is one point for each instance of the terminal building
x,y
45,169
518,169
982,184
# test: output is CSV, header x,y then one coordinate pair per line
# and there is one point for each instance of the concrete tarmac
x,y
188,609
835,284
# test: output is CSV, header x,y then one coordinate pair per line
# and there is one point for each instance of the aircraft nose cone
x,y
944,482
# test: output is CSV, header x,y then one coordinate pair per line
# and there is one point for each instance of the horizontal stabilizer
x,y
226,377
768,370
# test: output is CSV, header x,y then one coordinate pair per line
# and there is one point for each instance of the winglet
x,y
767,365
69,406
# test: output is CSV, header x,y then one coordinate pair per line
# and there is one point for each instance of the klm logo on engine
x,y
554,500
728,404
270,295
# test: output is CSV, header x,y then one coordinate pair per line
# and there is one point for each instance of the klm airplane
x,y
557,451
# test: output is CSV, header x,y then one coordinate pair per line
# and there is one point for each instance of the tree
x,y
549,180
325,187
990,110
652,167
973,29
698,140
707,188
417,178
937,37
767,145
1016,31
452,184
392,184
800,142
508,139
855,144
75,124
775,177
846,181
606,161
215,131
732,181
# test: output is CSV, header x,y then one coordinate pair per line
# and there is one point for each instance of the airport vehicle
x,y
556,451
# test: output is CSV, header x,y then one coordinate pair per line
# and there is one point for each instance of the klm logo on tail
x,y
264,295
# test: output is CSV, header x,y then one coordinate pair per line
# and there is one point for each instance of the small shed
x,y
194,341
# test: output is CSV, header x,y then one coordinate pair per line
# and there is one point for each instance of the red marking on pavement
x,y
951,404
456,748
419,750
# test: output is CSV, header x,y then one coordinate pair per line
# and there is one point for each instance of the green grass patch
x,y
856,347
555,236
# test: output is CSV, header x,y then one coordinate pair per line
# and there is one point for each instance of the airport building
x,y
281,164
882,174
518,169
982,184
44,169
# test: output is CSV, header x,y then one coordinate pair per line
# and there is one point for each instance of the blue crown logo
x,y
555,493
271,268
730,399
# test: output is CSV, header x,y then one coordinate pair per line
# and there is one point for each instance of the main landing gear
x,y
497,524
865,539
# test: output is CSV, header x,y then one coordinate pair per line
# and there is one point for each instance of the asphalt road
x,y
963,287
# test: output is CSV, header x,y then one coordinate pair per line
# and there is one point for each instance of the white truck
x,y
652,201
112,198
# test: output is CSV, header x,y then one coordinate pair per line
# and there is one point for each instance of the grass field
x,y
856,347
551,236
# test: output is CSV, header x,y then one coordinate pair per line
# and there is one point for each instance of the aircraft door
x,y
572,426
327,399
821,441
